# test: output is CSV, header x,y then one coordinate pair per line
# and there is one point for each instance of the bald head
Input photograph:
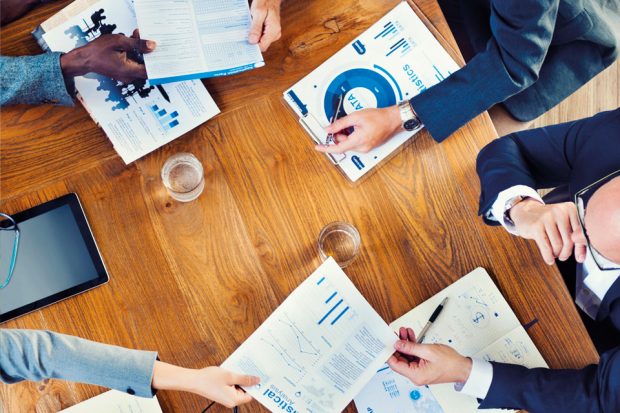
x,y
602,220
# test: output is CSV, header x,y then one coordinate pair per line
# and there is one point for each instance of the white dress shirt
x,y
599,282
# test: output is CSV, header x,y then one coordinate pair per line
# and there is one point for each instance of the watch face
x,y
411,124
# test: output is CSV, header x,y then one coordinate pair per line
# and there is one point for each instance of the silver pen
x,y
431,320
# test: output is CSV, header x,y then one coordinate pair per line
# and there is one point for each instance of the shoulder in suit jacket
x,y
529,54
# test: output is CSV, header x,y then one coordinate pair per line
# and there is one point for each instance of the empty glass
x,y
341,241
183,177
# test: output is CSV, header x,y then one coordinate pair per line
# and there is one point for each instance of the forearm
x,y
33,80
593,388
38,355
170,377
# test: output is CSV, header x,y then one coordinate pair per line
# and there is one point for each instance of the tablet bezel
x,y
74,203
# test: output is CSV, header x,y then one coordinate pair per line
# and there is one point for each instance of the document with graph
x,y
318,349
197,39
477,322
137,117
394,60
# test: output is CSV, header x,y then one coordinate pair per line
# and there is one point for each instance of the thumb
x,y
343,123
244,380
256,29
422,351
131,43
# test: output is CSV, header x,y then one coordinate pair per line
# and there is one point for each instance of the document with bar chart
x,y
395,59
318,349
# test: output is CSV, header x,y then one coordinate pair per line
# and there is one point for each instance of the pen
x,y
330,137
431,320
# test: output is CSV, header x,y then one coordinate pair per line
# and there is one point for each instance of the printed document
x,y
137,117
317,349
394,60
197,38
114,401
477,322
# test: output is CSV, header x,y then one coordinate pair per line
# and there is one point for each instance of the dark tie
x,y
584,297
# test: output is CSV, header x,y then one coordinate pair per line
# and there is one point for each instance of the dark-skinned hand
x,y
108,55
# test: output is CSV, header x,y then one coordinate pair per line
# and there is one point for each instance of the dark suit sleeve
x,y
521,34
593,389
544,157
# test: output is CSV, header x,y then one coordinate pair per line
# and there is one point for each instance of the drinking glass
x,y
341,241
183,177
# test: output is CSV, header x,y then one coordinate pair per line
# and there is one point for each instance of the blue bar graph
x,y
330,311
339,315
330,297
388,29
402,43
165,119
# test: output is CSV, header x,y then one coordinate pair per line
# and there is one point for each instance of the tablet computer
x,y
56,258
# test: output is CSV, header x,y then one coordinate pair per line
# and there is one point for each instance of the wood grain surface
x,y
192,281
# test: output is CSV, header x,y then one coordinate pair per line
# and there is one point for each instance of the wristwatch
x,y
410,119
511,203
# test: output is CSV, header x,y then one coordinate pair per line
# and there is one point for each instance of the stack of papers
x,y
197,39
114,401
137,117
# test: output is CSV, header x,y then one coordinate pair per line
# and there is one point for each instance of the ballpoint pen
x,y
431,320
330,136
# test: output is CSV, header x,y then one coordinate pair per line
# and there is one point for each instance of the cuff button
x,y
131,391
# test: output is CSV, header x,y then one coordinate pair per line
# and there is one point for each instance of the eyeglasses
x,y
9,224
581,199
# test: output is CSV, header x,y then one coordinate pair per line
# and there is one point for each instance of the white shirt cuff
x,y
479,381
499,206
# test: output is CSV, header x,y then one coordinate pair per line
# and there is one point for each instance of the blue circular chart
x,y
364,82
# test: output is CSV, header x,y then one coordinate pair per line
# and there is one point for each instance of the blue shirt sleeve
x,y
521,34
33,80
38,355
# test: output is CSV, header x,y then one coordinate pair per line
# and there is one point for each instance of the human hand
x,y
436,363
265,27
372,127
213,383
554,227
107,55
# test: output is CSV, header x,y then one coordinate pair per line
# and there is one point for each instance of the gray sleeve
x,y
37,355
33,80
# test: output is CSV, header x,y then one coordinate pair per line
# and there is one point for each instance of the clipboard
x,y
395,59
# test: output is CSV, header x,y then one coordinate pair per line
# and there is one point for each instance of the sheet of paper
x,y
395,59
138,117
197,38
389,392
114,401
476,321
475,315
319,347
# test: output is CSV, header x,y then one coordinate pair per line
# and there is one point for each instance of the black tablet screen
x,y
52,257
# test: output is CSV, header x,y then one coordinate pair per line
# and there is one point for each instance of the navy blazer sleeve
x,y
549,157
521,34
593,389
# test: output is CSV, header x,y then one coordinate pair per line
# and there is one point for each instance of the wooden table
x,y
194,280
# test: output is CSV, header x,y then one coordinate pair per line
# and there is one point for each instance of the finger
x,y
401,367
129,44
130,71
242,397
410,334
423,351
256,29
343,123
136,34
544,246
272,32
554,237
580,245
343,146
402,333
244,380
564,226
